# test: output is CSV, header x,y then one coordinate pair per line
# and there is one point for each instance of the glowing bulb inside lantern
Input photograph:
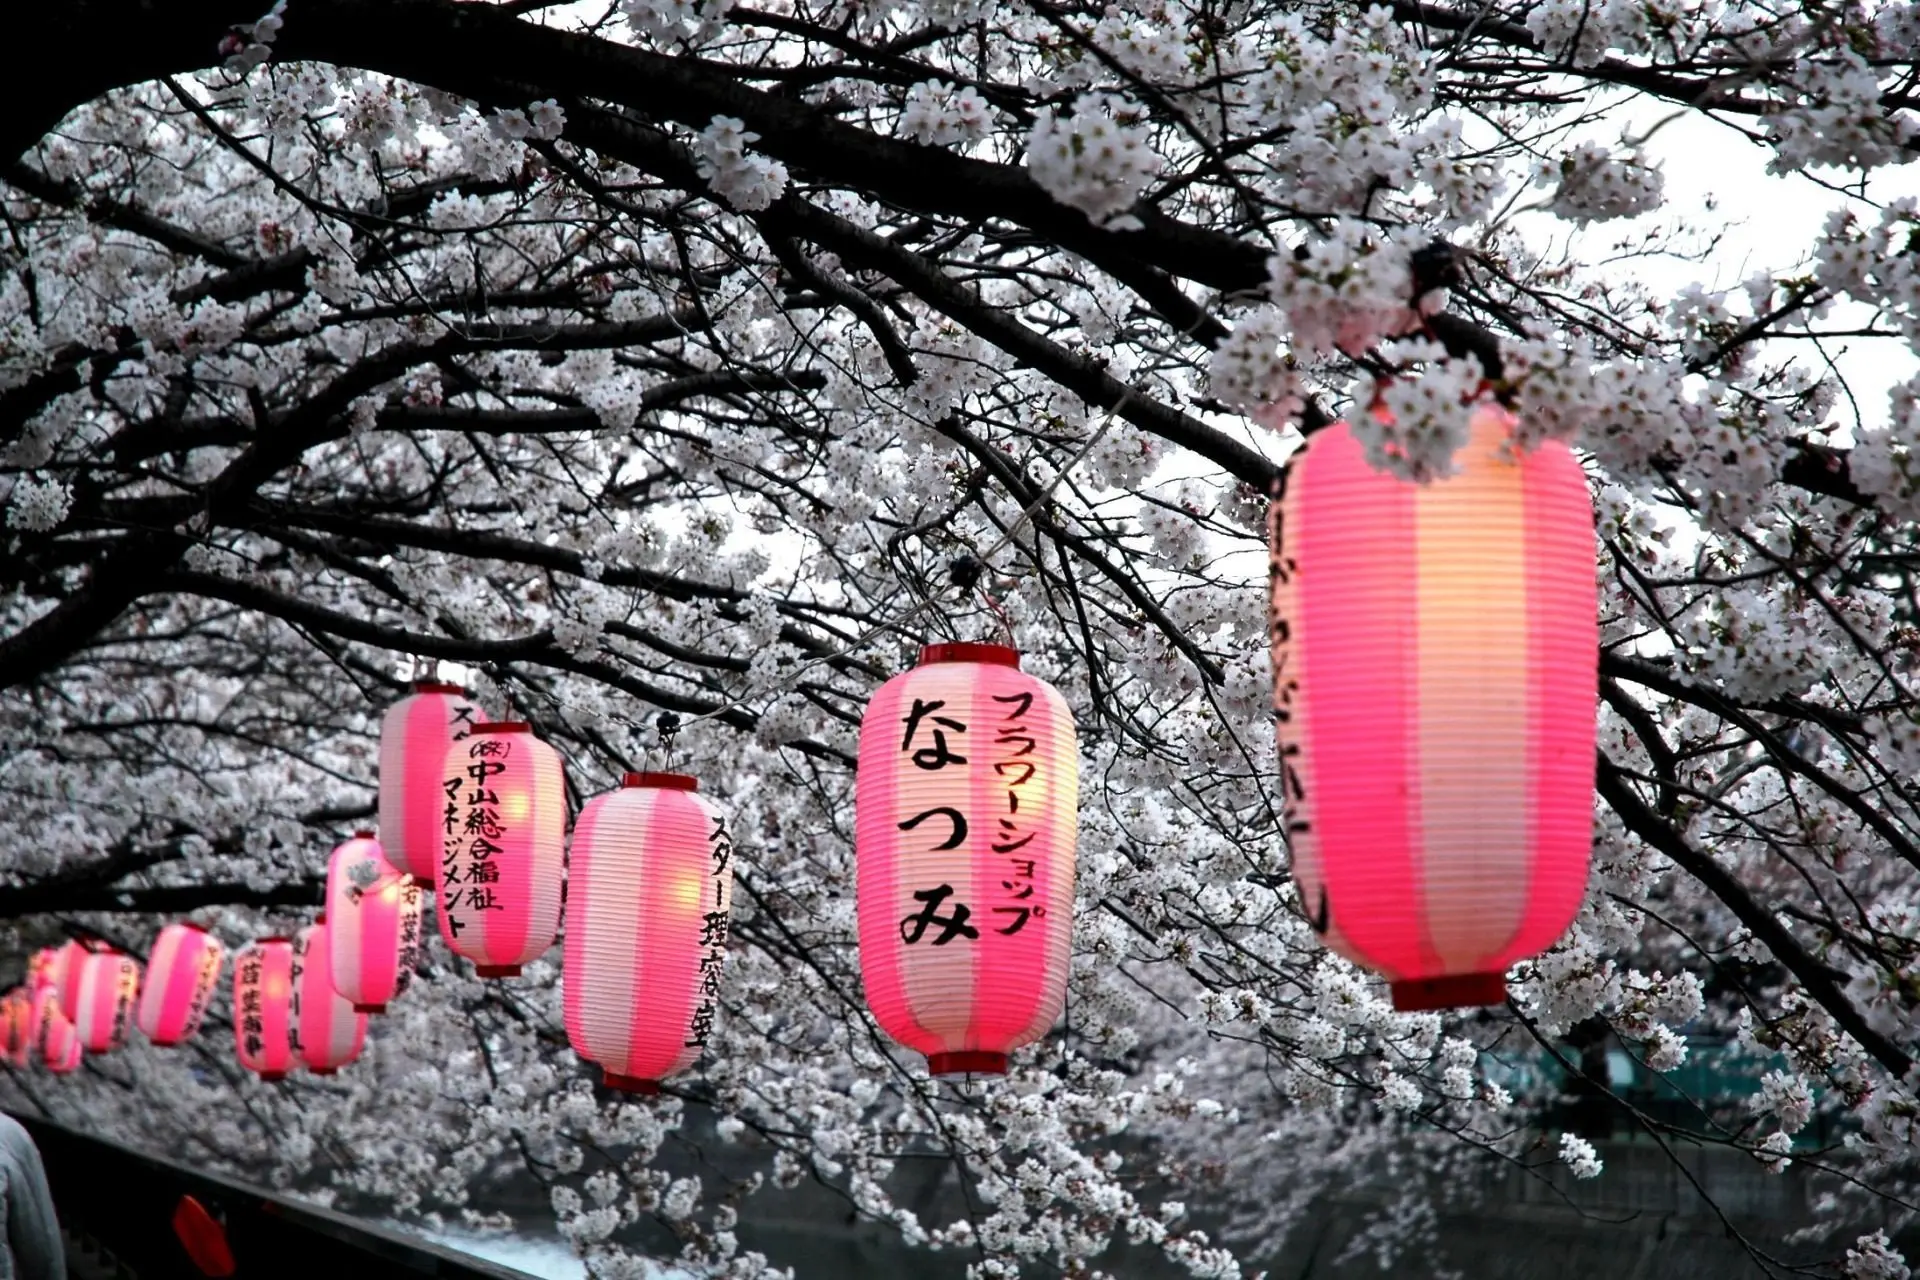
x,y
514,806
686,893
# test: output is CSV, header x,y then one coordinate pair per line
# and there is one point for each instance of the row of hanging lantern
x,y
1434,656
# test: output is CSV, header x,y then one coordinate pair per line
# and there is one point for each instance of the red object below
x,y
630,1084
1456,991
967,1062
369,1008
999,655
202,1236
497,970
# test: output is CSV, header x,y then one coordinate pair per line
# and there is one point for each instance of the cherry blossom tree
x,y
669,369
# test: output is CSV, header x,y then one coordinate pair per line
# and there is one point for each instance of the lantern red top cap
x,y
665,781
504,726
363,833
278,937
438,686
1000,655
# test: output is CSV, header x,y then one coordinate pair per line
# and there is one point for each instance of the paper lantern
x,y
413,745
43,969
1434,658
327,1033
373,910
58,1043
182,970
263,1007
649,888
16,1023
966,812
67,967
503,831
109,985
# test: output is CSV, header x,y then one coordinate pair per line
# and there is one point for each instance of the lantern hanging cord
x,y
981,562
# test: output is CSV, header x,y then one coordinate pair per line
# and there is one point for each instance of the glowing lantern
x,y
263,1007
327,1033
16,1022
374,936
182,970
966,812
67,966
109,984
649,886
43,969
58,1042
504,825
413,745
1434,657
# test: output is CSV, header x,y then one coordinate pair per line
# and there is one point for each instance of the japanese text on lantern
x,y
1014,765
409,957
203,984
934,756
252,1028
471,850
713,934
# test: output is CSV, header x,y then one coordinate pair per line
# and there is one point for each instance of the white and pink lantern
x,y
109,985
327,1033
966,804
503,847
263,1007
373,910
182,970
57,1042
66,969
649,889
414,735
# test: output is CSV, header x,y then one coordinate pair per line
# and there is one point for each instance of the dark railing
x,y
135,1216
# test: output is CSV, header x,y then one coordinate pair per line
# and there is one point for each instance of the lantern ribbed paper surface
x,y
1434,657
109,984
67,967
649,888
413,745
182,970
16,1024
263,1007
373,918
58,1043
327,1033
966,812
503,833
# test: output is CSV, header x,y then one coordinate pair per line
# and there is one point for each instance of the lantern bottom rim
x,y
497,970
1449,991
369,1008
324,1071
967,1062
630,1084
273,1077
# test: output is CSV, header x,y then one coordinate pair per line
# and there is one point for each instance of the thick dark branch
x,y
168,900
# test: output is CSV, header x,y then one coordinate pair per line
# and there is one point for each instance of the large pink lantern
x,y
649,886
263,1007
182,970
58,1042
413,745
109,984
966,812
1434,658
16,1025
327,1033
374,934
503,832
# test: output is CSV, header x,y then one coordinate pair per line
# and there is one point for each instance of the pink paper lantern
x,y
413,745
58,1042
374,913
649,888
263,1007
966,813
327,1033
109,985
503,829
1434,657
16,1023
43,969
182,970
67,966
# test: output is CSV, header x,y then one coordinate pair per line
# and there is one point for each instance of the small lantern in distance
x,y
504,852
263,1007
67,967
16,1023
373,914
649,888
58,1043
109,984
182,970
327,1033
414,735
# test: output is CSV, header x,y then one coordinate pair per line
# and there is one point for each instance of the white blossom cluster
x,y
939,115
1590,184
745,181
38,503
1096,159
